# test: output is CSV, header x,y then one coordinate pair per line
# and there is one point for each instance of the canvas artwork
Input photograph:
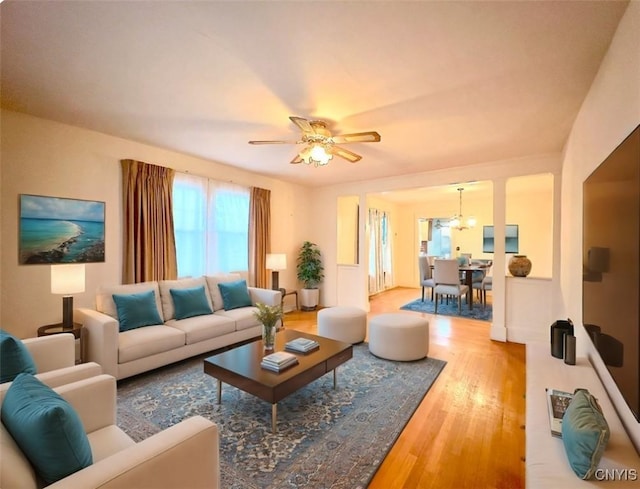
x,y
60,230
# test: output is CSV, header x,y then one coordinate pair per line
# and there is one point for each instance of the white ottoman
x,y
398,336
348,324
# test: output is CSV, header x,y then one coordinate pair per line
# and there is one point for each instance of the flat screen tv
x,y
611,265
510,239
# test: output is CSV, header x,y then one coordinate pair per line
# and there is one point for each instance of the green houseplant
x,y
269,317
310,272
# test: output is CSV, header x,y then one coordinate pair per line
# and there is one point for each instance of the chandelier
x,y
316,153
458,222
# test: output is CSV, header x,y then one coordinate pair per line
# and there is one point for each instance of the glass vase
x,y
268,336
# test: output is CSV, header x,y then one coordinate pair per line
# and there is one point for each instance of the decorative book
x,y
278,361
557,403
302,345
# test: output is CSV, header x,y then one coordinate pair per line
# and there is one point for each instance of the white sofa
x,y
164,460
123,354
546,460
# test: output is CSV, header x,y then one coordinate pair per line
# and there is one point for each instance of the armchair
x,y
55,359
165,460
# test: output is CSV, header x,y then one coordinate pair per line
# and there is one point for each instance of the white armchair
x,y
55,359
184,455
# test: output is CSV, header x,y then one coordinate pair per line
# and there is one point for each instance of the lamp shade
x,y
67,279
276,261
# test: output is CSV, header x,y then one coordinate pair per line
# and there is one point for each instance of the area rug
x,y
451,309
326,438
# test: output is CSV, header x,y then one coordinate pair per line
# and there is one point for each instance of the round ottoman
x,y
398,336
348,324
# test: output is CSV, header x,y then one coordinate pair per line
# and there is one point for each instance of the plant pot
x,y
519,265
309,299
268,336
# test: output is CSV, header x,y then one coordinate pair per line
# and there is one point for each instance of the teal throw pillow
x,y
585,433
14,358
46,428
137,310
190,302
234,294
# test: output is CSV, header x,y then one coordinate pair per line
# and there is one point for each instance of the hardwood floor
x,y
468,430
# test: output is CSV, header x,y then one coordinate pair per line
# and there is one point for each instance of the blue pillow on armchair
x,y
15,357
46,428
234,294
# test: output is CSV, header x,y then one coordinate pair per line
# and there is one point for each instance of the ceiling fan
x,y
321,145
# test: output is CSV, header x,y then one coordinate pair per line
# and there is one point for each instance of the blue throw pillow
x,y
190,302
46,428
14,358
585,433
234,294
137,310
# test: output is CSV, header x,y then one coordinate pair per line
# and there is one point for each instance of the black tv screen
x,y
510,239
611,265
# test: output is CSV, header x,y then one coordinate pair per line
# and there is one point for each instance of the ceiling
x,y
446,84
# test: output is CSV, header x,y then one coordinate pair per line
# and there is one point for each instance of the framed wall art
x,y
60,230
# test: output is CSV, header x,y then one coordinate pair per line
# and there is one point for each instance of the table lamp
x,y
275,263
67,280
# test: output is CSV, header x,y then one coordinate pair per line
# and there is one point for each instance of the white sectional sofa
x,y
130,352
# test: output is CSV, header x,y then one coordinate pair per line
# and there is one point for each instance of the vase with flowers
x,y
269,316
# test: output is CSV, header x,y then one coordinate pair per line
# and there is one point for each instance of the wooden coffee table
x,y
240,367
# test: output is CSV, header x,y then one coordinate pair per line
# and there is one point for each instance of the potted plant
x,y
310,273
269,316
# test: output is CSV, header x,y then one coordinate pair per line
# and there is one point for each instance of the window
x,y
211,222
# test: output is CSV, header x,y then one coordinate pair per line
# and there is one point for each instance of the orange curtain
x,y
149,242
259,236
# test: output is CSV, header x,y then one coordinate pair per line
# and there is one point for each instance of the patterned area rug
x,y
451,309
326,438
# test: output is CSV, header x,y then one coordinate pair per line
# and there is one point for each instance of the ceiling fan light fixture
x,y
316,154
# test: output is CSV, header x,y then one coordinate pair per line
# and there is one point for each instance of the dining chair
x,y
447,281
482,287
426,278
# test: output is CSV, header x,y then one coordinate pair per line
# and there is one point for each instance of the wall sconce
x,y
275,263
67,280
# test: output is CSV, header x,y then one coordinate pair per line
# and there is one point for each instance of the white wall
x,y
47,158
609,113
405,250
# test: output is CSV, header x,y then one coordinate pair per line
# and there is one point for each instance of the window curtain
x,y
380,264
259,236
148,237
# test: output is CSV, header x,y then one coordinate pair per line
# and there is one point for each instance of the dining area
x,y
454,278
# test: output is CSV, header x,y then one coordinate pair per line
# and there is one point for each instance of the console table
x,y
546,461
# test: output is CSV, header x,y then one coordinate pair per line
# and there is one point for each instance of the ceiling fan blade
x,y
302,124
357,137
296,159
273,142
345,153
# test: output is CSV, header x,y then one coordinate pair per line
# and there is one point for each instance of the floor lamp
x,y
275,263
67,280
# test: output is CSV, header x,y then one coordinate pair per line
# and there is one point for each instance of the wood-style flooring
x,y
469,429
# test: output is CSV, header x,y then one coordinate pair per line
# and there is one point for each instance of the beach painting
x,y
60,230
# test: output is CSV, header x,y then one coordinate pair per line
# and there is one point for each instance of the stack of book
x,y
278,361
557,403
302,345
